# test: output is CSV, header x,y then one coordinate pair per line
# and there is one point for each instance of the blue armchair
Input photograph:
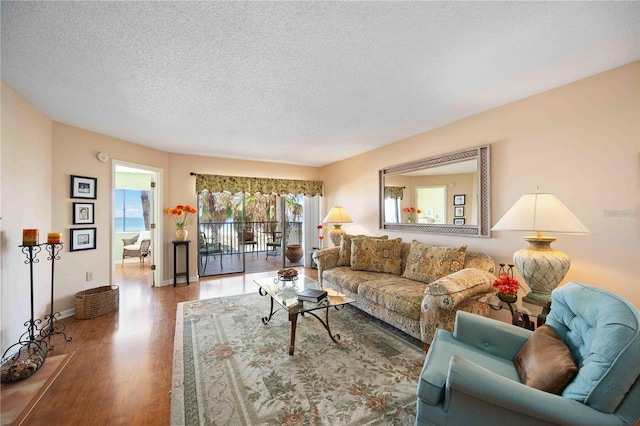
x,y
469,376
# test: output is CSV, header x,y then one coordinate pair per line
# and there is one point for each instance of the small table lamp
x,y
337,215
541,266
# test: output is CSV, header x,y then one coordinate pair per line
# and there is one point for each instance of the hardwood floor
x,y
121,371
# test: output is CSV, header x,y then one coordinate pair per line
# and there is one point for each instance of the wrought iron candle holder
x,y
31,351
53,324
506,269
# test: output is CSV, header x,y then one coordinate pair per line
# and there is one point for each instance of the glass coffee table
x,y
284,296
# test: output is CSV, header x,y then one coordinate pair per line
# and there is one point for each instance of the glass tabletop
x,y
285,293
518,308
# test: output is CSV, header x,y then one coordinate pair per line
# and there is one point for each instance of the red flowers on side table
x,y
507,288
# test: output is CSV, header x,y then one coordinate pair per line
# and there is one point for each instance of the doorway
x,y
432,201
136,208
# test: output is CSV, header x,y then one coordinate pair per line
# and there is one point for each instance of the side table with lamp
x,y
541,266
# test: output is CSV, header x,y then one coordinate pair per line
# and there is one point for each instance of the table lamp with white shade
x,y
541,266
337,215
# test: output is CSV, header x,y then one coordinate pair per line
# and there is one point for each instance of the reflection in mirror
x,y
447,194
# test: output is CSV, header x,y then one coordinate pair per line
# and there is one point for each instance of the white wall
x,y
25,189
579,141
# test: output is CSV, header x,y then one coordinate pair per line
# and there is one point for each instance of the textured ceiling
x,y
298,82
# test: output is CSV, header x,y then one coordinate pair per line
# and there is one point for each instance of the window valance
x,y
251,185
393,192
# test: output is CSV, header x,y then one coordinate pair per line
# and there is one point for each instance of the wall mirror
x,y
447,194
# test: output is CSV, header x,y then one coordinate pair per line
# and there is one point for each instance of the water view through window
x,y
128,211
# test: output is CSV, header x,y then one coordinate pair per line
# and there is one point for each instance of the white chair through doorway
x,y
137,247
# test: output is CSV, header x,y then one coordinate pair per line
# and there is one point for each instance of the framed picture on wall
x,y
459,200
458,212
82,239
458,221
83,187
83,213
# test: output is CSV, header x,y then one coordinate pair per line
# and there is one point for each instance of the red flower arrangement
x,y
180,214
506,284
411,210
323,230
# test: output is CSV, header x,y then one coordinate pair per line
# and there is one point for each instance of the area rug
x,y
230,369
18,399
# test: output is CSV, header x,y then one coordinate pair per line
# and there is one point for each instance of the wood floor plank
x,y
121,371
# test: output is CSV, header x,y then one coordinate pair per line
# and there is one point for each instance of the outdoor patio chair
x,y
246,238
274,243
208,248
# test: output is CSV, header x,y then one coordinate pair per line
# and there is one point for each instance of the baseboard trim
x,y
67,313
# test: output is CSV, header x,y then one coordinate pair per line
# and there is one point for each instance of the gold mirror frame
x,y
483,227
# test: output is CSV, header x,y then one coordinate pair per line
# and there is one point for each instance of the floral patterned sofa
x,y
415,287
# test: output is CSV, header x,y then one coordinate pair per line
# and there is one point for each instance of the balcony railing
x,y
233,239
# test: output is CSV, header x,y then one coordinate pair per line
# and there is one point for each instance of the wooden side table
x,y
185,273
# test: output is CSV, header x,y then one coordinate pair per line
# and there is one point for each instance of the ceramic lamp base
x,y
542,268
336,234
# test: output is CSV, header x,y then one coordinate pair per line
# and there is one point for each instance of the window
x,y
391,210
128,210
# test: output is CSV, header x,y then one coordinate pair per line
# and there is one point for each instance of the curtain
x,y
394,192
251,185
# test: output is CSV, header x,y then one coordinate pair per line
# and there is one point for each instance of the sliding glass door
x,y
248,233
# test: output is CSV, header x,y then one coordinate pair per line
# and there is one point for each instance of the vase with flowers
x,y
411,213
323,230
180,215
507,288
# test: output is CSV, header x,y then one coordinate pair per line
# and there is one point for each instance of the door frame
x,y
156,217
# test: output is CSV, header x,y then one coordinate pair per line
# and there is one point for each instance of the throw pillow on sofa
x,y
376,255
345,247
427,263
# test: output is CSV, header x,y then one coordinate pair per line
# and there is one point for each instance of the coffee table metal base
x,y
293,319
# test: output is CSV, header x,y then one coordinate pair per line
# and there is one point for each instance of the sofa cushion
x,y
544,362
396,294
427,263
376,255
479,261
349,279
345,247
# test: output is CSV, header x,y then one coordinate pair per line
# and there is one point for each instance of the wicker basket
x,y
96,301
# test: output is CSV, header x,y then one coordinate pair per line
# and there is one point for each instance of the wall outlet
x,y
89,276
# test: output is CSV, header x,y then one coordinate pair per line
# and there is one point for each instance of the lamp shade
x,y
540,212
337,215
